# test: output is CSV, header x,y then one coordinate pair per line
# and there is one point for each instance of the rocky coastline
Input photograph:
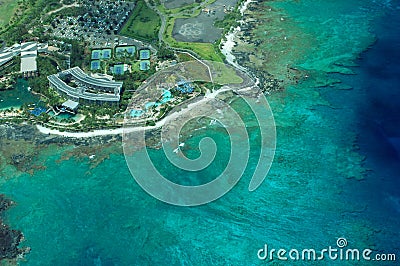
x,y
19,145
264,52
239,47
9,238
26,132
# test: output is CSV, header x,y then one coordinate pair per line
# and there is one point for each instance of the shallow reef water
x,y
324,183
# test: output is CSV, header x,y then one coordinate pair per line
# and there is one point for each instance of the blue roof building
x,y
184,86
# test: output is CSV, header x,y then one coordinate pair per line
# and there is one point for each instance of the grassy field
x,y
224,74
7,9
143,23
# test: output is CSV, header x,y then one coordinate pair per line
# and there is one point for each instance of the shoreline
x,y
120,131
231,39
226,48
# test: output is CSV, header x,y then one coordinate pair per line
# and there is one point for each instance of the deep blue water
x,y
379,127
374,102
379,114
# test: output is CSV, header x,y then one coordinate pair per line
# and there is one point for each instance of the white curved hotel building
x,y
84,88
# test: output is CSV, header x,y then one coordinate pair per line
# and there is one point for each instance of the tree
x,y
165,53
77,54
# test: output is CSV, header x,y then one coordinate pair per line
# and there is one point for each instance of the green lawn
x,y
144,23
7,9
135,66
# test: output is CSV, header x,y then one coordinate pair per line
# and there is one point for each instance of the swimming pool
x,y
167,96
150,104
62,116
136,113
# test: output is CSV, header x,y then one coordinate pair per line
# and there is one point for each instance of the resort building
x,y
28,52
28,63
5,57
79,87
184,86
70,106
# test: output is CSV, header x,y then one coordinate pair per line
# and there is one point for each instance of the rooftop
x,y
87,82
81,76
28,61
71,105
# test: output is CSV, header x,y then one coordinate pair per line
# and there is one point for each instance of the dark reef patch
x,y
9,238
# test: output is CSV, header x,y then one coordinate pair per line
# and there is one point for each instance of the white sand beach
x,y
119,131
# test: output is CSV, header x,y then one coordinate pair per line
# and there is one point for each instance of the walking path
x,y
119,131
63,7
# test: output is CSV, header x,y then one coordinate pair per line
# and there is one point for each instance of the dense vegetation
x,y
7,9
131,82
40,84
10,70
165,53
25,18
143,24
78,55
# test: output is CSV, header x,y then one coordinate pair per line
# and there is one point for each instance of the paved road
x,y
187,51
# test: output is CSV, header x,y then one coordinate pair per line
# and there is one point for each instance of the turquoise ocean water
x,y
318,188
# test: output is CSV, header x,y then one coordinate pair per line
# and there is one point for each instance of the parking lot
x,y
98,24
